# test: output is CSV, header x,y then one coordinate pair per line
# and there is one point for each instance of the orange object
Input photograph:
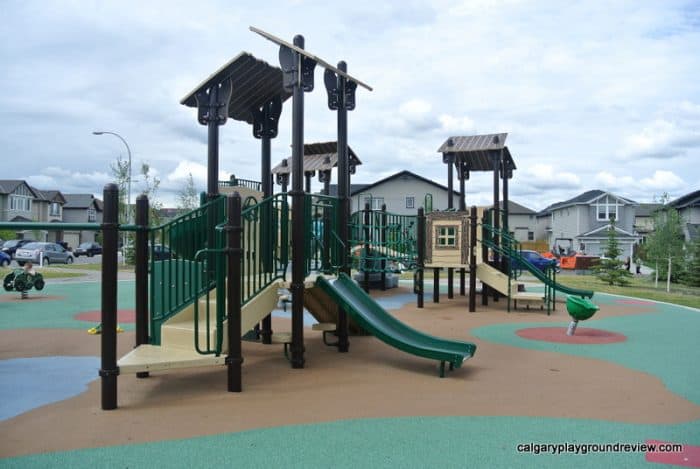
x,y
568,262
547,255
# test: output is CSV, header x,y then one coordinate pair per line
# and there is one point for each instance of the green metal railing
x,y
265,244
511,250
324,247
387,242
179,272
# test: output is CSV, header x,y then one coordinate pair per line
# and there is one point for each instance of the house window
x,y
606,208
530,236
410,202
375,203
91,214
446,236
20,203
55,209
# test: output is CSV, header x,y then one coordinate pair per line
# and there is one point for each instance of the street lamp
x,y
128,189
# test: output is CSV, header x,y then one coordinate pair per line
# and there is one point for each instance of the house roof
x,y
354,189
515,208
688,200
317,157
602,232
647,210
476,151
398,175
582,199
7,186
81,201
254,83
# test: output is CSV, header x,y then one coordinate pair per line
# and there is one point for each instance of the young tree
x,y
665,246
120,171
150,189
692,275
610,269
188,197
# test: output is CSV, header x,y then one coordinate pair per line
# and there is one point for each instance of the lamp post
x,y
128,189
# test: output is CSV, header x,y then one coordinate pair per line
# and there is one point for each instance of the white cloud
x,y
546,176
665,181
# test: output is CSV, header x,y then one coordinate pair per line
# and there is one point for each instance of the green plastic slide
x,y
373,318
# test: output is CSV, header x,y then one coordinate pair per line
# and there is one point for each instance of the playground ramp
x,y
325,310
497,280
372,317
177,335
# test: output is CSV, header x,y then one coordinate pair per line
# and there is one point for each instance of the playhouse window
x,y
446,236
410,202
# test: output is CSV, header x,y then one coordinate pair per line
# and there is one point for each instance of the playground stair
x,y
499,282
177,349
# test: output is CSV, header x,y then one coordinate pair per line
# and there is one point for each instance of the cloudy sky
x,y
593,95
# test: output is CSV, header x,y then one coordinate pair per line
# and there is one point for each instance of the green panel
x,y
390,330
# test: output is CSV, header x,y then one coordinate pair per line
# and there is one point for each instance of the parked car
x,y
50,252
536,259
87,249
11,246
161,253
4,259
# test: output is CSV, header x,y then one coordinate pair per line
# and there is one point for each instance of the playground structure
x,y
231,256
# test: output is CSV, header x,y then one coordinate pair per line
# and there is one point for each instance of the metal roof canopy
x,y
304,52
315,158
255,83
475,151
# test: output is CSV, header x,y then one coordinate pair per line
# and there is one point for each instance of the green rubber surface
x,y
662,342
420,442
58,313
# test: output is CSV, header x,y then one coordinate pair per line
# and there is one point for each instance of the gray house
x,y
582,223
521,221
81,208
644,219
403,193
688,208
17,201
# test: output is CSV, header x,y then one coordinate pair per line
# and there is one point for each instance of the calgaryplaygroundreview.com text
x,y
586,448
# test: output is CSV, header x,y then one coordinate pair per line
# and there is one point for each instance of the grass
x,y
639,287
47,274
96,267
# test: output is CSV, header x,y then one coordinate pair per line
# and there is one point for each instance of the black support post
x,y
368,234
436,285
234,360
141,273
108,340
505,264
297,75
418,282
463,176
383,249
472,259
265,127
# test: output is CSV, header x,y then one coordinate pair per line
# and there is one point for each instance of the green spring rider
x,y
579,309
22,281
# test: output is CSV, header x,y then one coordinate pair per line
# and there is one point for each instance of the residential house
x,y
48,207
17,201
81,208
403,193
521,221
582,223
688,207
644,219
